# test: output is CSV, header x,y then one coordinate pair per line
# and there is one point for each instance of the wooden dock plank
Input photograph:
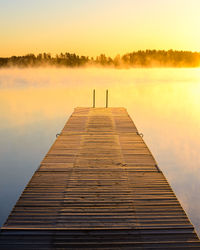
x,y
98,187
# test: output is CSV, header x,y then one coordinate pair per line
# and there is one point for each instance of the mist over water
x,y
164,104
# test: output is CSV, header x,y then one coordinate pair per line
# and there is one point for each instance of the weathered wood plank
x,y
98,187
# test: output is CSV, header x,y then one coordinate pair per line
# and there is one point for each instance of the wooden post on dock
x,y
93,98
107,98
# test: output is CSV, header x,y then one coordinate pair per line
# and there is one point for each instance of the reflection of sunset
x,y
164,104
53,92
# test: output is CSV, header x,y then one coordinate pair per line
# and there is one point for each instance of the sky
x,y
92,27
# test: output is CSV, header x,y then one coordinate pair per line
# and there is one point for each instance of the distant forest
x,y
141,58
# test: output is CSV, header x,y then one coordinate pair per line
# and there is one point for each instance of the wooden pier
x,y
98,187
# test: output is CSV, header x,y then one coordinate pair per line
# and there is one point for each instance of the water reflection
x,y
164,104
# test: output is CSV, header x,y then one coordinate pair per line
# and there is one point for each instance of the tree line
x,y
141,58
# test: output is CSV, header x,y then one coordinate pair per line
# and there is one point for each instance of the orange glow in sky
x,y
91,27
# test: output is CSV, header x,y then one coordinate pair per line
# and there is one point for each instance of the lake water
x,y
164,104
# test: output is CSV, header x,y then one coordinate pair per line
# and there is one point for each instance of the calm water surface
x,y
164,104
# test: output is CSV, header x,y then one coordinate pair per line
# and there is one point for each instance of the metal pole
x,y
93,98
106,98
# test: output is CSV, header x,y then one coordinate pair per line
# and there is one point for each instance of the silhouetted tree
x,y
141,58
